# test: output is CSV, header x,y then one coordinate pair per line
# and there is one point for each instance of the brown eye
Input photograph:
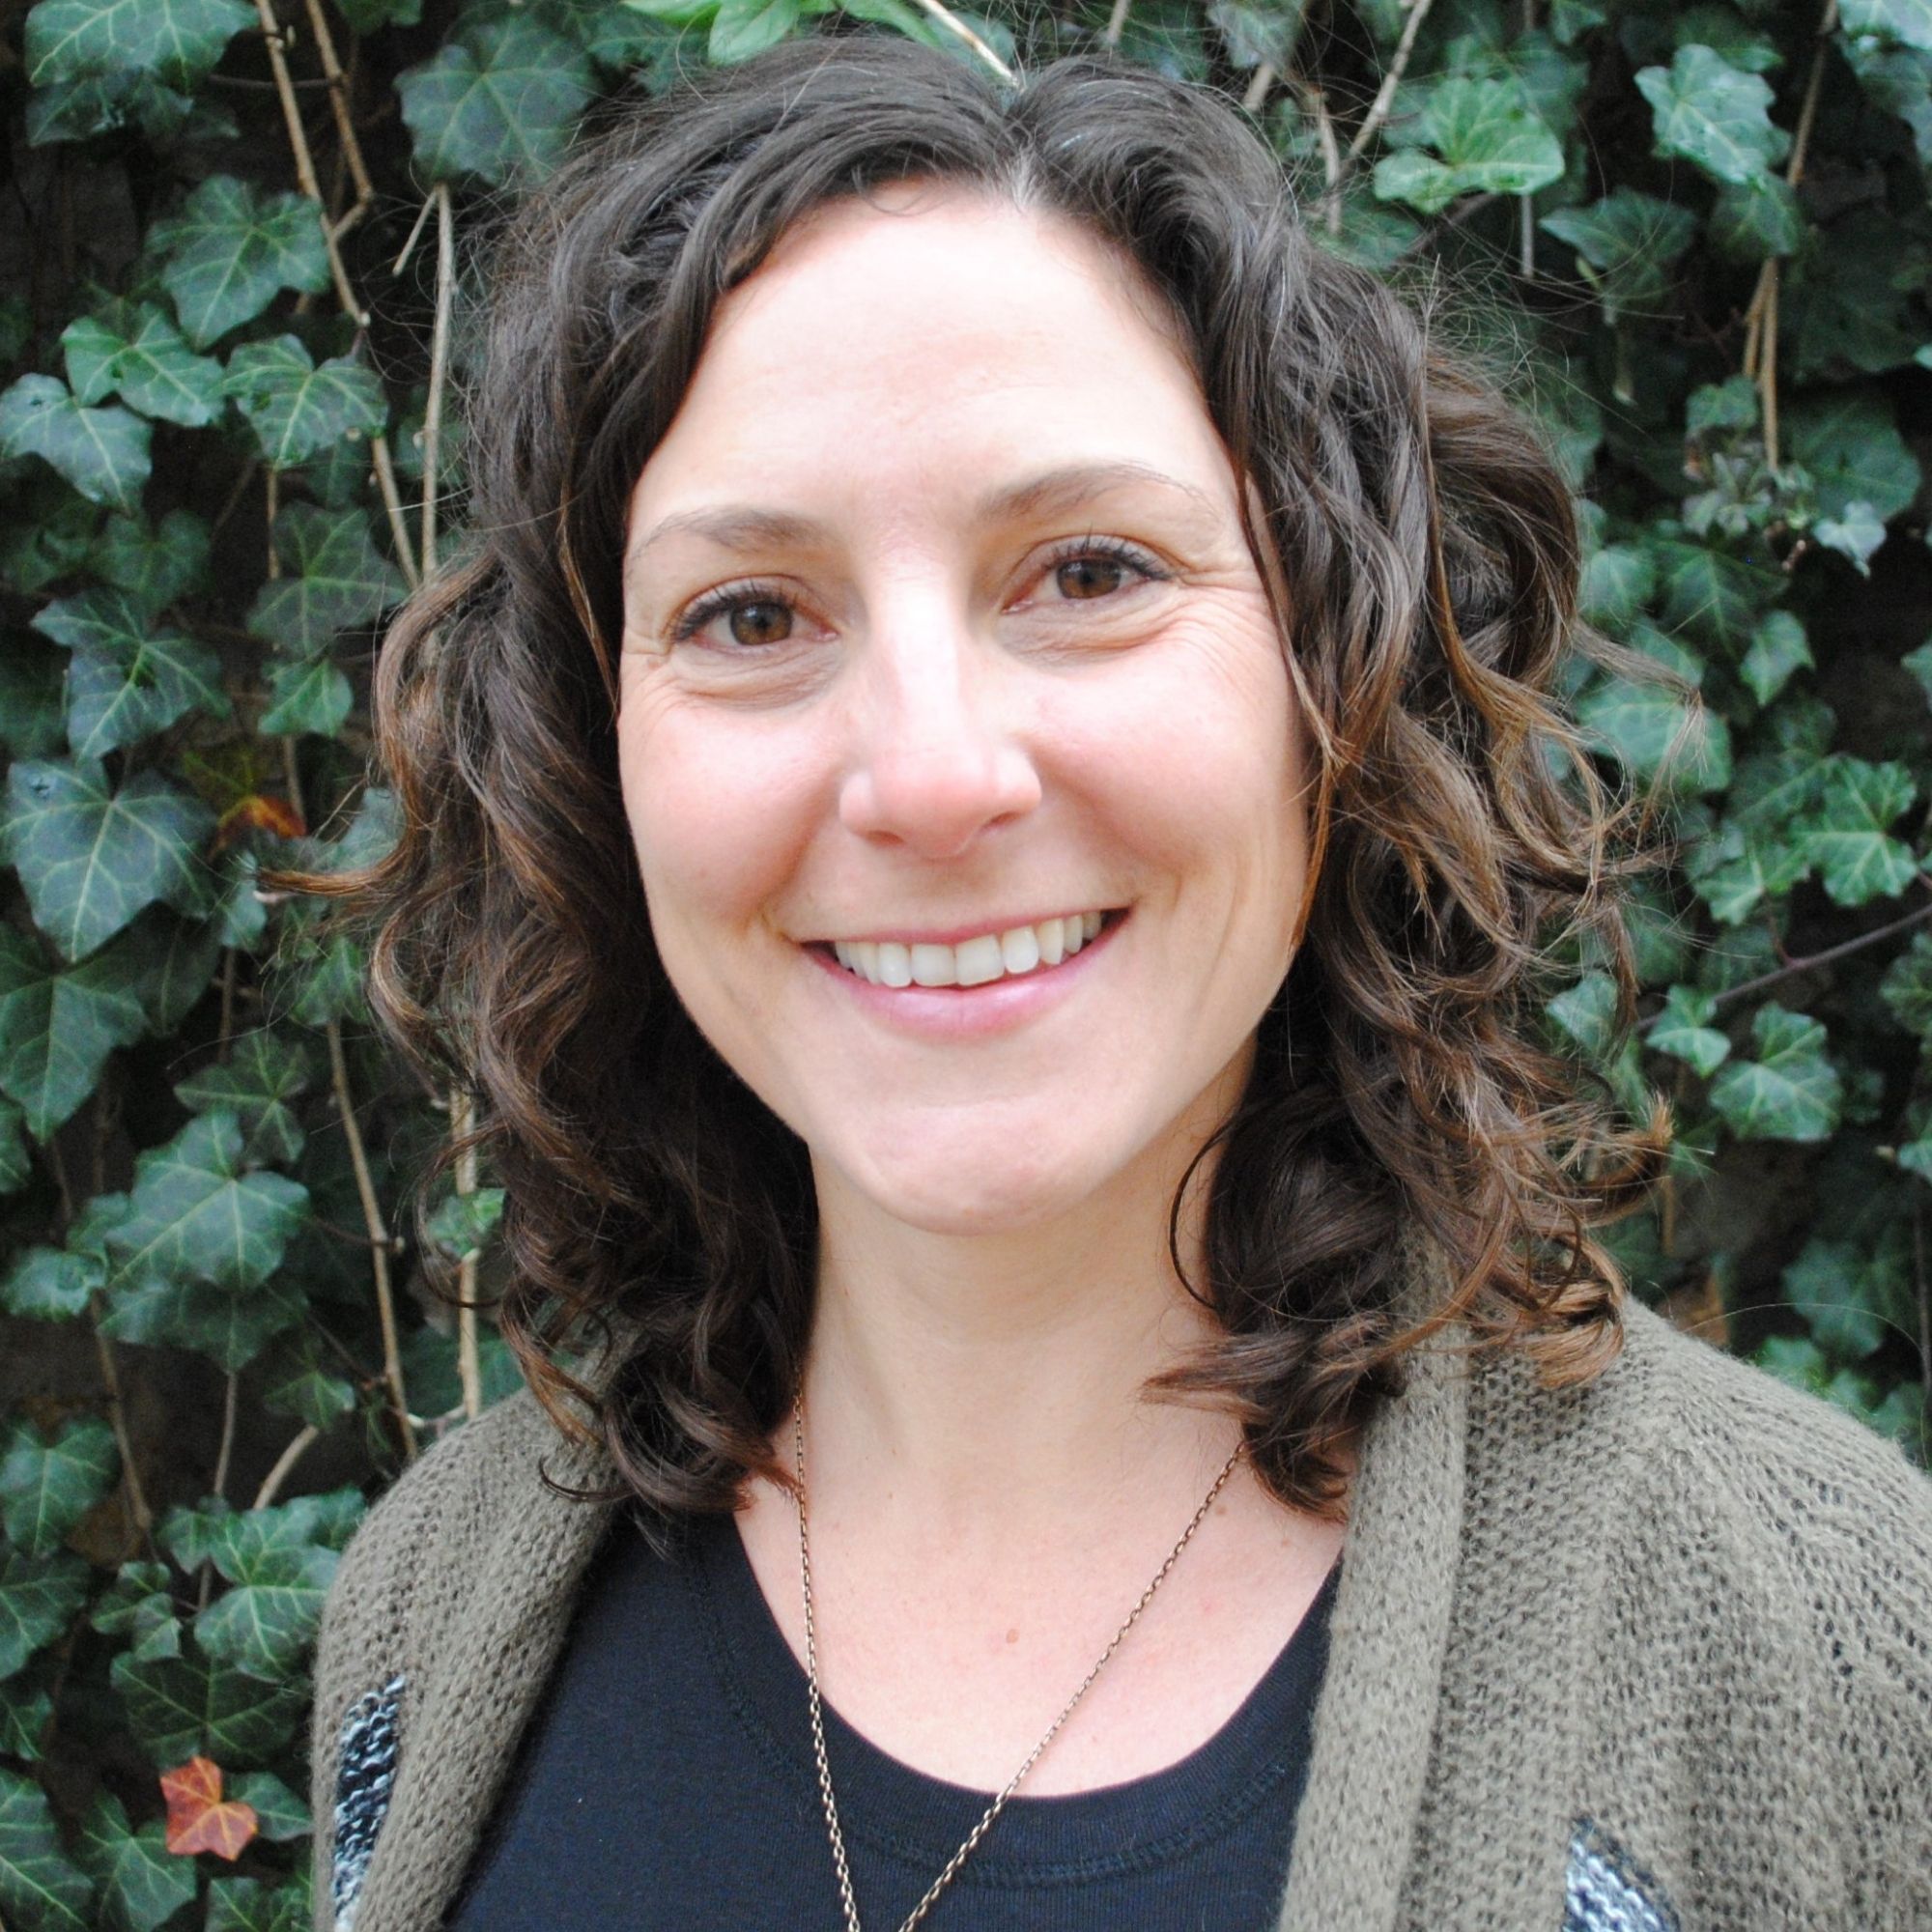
x,y
765,621
1082,577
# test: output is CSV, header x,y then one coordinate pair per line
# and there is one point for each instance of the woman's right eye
x,y
749,617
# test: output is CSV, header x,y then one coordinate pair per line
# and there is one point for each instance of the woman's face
x,y
942,644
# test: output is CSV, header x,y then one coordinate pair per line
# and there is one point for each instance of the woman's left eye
x,y
1094,570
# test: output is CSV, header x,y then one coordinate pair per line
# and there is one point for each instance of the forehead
x,y
928,326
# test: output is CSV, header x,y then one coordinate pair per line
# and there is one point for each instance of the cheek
x,y
718,816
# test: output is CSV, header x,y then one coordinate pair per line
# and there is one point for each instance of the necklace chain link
x,y
970,1842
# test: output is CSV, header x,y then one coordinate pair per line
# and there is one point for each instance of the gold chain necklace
x,y
1033,1758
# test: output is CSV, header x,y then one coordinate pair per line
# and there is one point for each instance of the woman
x,y
981,820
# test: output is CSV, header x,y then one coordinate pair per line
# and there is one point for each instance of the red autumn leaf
x,y
260,811
199,1819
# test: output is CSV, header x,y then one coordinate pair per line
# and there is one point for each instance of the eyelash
x,y
734,597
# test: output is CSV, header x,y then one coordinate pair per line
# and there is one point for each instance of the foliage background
x,y
1695,240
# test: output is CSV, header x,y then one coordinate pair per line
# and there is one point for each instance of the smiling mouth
x,y
978,961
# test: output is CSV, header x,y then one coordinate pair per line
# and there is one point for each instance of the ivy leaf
x,y
1684,1030
464,1222
25,1712
742,28
99,104
279,1813
182,1707
153,564
1850,443
137,1605
1657,733
178,40
1790,1091
1489,138
295,407
57,1026
262,1075
232,250
308,696
1587,1012
1627,242
498,100
1907,987
1908,22
1618,580
47,1486
91,857
38,1598
104,453
335,579
171,961
139,1884
195,1213
1257,35
247,1905
1754,220
39,1886
1714,114
199,1818
135,351
296,1382
278,1575
1857,535
1713,594
127,679
1778,649
16,1166
1848,841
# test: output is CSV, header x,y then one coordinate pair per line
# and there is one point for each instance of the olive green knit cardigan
x,y
1650,1655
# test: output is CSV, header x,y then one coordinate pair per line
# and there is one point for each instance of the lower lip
x,y
971,1012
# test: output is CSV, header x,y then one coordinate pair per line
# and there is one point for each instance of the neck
x,y
963,1374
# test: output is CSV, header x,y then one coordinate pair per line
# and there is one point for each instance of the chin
x,y
987,1190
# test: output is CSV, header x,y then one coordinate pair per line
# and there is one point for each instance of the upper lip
x,y
955,935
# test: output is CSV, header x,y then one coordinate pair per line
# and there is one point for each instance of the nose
x,y
937,759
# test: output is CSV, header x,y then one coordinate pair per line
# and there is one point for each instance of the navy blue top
x,y
666,1781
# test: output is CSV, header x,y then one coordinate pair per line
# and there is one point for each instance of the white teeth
x,y
934,966
974,962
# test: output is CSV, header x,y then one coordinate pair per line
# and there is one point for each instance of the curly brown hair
x,y
1428,551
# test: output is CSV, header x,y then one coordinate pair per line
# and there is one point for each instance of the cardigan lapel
x,y
1355,1832
473,1697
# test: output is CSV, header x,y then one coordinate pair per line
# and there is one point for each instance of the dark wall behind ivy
x,y
1695,239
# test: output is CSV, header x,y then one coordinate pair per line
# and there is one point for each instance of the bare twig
x,y
345,124
954,24
272,1483
117,1416
1117,22
379,1237
461,1123
1260,85
393,506
1831,954
1379,109
417,228
225,1454
439,370
1313,102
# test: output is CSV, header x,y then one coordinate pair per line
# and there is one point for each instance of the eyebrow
x,y
747,528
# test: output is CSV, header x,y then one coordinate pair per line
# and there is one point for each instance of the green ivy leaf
x,y
179,1707
1907,987
1684,1030
278,1575
262,1075
231,250
1858,535
195,1213
465,1222
39,1886
335,579
294,1382
1849,442
134,352
1587,1012
139,1881
100,103
1618,580
16,1165
247,1905
1754,220
1848,841
498,100
1844,1296
742,28
47,1486
170,962
1657,733
1712,594
153,564
91,857
1908,22
1919,664
25,1712
1628,243
1791,1092
280,1815
58,1026
1256,35
1489,138
137,1605
310,696
1713,115
298,409
178,40
40,1596
1778,649
104,453
127,678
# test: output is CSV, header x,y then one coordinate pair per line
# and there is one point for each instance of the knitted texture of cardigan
x,y
1650,1655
